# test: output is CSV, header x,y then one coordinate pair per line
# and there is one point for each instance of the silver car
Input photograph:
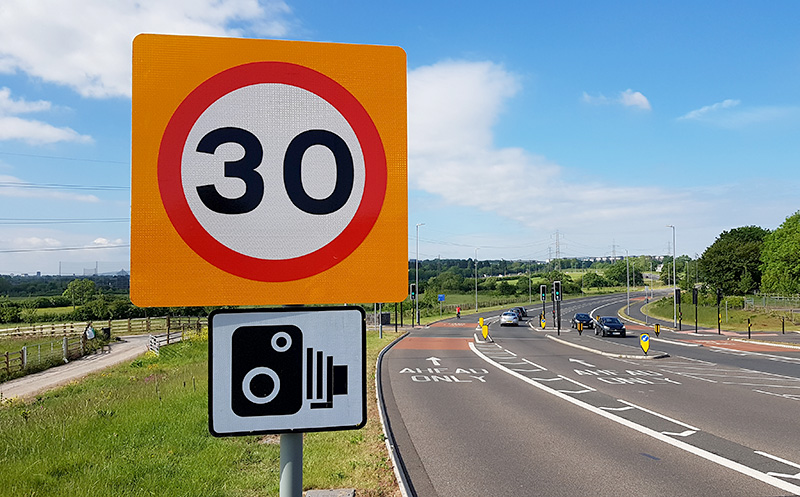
x,y
509,318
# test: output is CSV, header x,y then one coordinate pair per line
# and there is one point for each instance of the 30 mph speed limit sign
x,y
267,172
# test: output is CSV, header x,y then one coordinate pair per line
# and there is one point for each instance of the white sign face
x,y
287,370
256,203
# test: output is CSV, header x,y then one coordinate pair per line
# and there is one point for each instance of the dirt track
x,y
127,349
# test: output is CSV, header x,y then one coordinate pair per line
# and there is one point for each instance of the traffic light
x,y
694,296
557,290
678,296
413,291
719,296
543,291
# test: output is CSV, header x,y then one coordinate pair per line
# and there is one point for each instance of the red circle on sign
x,y
170,183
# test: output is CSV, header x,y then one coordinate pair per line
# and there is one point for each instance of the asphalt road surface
x,y
538,412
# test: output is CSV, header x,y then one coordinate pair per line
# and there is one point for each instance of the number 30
x,y
245,169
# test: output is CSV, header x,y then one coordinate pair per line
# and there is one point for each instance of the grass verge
x,y
142,429
732,319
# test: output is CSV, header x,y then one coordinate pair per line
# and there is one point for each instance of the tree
x,y
594,280
733,261
79,291
618,273
780,258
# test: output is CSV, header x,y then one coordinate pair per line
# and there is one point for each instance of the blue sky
x,y
587,125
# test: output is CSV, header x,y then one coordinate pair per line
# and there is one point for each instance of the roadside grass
x,y
733,320
142,429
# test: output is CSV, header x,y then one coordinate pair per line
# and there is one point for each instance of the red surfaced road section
x,y
426,343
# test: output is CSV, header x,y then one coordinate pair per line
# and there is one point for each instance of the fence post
x,y
24,355
8,364
65,348
147,324
129,326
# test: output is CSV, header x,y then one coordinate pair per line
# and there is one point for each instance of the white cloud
x,y
698,114
105,242
86,44
627,98
452,109
28,130
729,114
630,98
35,242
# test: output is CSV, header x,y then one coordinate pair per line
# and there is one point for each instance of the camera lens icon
x,y
247,387
267,364
281,341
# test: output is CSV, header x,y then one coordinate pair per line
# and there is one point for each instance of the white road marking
x,y
710,456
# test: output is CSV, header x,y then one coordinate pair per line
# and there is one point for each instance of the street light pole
x,y
628,280
476,279
674,280
416,277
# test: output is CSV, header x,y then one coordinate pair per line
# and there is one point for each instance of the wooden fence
x,y
168,337
65,349
137,326
70,341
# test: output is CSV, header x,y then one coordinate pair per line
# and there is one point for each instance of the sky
x,y
535,129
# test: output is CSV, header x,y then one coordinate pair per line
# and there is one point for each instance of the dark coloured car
x,y
582,318
609,325
522,311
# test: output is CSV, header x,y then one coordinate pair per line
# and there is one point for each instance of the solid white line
x,y
648,411
741,468
776,458
628,408
675,342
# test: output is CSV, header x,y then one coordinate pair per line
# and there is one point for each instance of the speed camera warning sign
x,y
267,172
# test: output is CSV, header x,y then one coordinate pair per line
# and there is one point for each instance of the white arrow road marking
x,y
582,362
681,434
434,360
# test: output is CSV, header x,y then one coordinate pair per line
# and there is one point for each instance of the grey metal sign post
x,y
287,371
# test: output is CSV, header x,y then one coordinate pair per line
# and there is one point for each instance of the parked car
x,y
583,318
509,318
609,325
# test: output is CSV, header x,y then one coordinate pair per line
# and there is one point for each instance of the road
x,y
532,414
127,349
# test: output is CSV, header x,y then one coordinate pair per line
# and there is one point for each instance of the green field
x,y
732,320
141,429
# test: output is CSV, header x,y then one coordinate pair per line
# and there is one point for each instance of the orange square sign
x,y
267,172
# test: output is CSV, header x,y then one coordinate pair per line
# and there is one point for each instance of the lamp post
x,y
628,281
416,278
476,279
674,280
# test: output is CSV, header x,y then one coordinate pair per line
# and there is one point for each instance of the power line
x,y
62,249
76,159
21,221
59,186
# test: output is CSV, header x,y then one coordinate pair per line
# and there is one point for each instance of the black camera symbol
x,y
267,370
